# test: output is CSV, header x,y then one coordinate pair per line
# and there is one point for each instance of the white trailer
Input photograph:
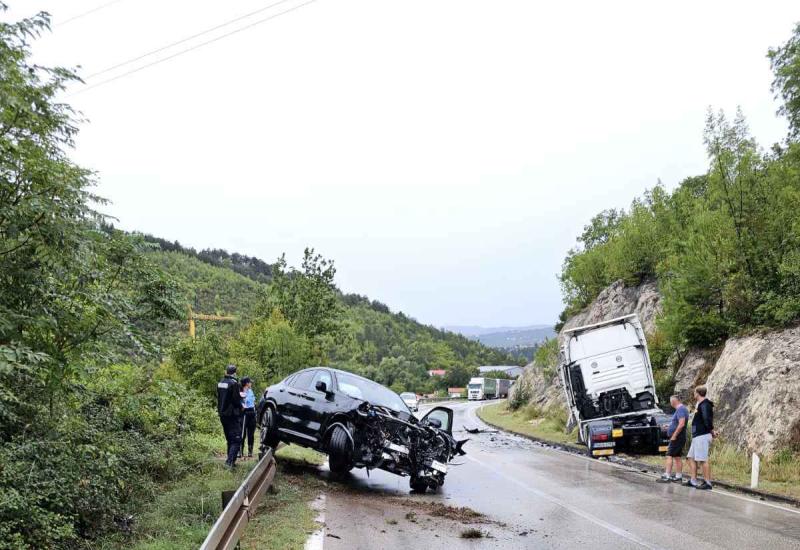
x,y
608,382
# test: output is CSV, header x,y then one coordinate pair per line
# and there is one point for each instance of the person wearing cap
x,y
249,410
229,407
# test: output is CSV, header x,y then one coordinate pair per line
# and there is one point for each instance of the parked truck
x,y
503,387
481,388
608,382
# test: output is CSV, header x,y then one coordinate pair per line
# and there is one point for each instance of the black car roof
x,y
340,371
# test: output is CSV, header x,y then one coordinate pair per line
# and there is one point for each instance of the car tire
x,y
340,452
418,485
269,432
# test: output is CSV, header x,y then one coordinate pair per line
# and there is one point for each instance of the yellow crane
x,y
206,317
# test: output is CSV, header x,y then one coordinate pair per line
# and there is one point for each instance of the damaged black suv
x,y
358,423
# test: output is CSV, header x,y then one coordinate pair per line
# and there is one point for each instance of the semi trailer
x,y
481,388
608,383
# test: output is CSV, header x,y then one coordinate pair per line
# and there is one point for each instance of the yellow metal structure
x,y
206,317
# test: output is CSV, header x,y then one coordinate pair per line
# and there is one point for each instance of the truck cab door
x,y
443,415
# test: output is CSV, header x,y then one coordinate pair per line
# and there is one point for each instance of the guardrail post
x,y
754,471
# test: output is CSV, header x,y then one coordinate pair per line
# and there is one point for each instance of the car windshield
x,y
408,395
474,386
372,392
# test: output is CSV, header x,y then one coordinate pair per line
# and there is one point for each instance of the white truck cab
x,y
480,388
608,382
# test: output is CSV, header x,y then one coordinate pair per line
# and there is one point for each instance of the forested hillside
x,y
367,337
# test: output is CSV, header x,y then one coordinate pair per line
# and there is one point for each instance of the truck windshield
x,y
367,390
474,386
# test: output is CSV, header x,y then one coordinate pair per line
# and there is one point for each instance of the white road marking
x,y
577,511
473,414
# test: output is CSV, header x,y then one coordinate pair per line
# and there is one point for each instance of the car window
x,y
442,416
323,376
361,388
303,380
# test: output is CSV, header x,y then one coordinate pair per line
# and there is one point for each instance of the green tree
x,y
270,349
308,297
785,63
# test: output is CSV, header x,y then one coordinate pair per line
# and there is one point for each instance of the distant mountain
x,y
506,337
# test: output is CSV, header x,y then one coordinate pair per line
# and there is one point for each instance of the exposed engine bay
x,y
406,447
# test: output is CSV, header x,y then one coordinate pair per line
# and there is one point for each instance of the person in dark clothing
x,y
249,410
702,433
229,407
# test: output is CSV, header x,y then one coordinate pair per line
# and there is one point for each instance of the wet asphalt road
x,y
551,499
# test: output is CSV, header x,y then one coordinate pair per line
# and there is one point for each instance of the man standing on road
x,y
229,407
677,441
702,434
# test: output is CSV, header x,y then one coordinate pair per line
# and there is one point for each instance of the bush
x,y
84,470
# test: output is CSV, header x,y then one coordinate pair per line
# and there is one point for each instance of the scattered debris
x,y
480,431
334,536
411,516
391,521
472,533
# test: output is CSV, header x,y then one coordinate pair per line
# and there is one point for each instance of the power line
x,y
89,12
183,40
187,50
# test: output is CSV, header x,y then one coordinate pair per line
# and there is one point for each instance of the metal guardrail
x,y
230,524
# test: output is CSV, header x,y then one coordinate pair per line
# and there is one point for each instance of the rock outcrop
x,y
617,300
539,386
697,364
755,386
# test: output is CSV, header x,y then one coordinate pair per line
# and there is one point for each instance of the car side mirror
x,y
321,386
435,422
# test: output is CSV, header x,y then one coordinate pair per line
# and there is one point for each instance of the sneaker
x,y
663,479
688,483
677,479
706,486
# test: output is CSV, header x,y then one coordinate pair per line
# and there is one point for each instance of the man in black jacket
x,y
229,407
702,433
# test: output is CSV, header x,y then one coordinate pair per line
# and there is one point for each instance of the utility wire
x,y
187,50
89,12
183,40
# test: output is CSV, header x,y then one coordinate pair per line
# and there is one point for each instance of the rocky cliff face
x,y
755,385
617,300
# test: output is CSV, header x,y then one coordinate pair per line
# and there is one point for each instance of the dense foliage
x,y
83,441
725,245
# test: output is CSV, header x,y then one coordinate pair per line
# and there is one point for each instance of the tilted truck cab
x,y
608,382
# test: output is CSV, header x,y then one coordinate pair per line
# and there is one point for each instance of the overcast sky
x,y
444,153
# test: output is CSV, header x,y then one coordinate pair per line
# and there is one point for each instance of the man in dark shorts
x,y
677,441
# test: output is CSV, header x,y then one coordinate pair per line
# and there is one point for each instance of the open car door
x,y
441,415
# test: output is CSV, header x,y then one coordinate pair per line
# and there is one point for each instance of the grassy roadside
x,y
284,519
548,425
181,514
780,473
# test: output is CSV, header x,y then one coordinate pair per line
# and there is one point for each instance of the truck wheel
x,y
269,432
340,452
